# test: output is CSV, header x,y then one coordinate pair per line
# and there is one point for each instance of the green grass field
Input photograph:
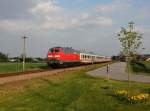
x,y
17,67
68,91
141,67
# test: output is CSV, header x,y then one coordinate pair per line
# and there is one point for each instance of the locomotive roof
x,y
57,47
63,47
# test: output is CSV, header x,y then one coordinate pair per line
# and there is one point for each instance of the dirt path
x,y
117,72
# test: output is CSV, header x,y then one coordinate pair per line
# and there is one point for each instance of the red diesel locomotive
x,y
66,56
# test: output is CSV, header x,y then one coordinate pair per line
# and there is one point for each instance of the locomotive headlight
x,y
50,56
57,55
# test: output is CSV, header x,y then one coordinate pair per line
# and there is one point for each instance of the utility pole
x,y
24,52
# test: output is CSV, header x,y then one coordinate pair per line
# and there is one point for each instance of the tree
x,y
3,57
130,40
131,43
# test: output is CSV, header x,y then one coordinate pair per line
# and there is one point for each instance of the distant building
x,y
14,59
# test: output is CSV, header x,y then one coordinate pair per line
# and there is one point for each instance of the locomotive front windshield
x,y
57,49
54,50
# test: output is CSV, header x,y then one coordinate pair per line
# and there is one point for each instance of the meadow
x,y
17,67
68,91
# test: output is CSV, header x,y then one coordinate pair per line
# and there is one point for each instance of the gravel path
x,y
35,75
117,72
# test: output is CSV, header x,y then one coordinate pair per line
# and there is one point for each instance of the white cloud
x,y
65,22
49,15
15,25
84,15
95,21
46,7
104,21
105,8
114,6
143,13
54,23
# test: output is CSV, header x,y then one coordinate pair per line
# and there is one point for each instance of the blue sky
x,y
90,25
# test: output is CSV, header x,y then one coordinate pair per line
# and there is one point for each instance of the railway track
x,y
13,77
23,73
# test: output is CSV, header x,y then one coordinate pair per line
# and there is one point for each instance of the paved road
x,y
117,72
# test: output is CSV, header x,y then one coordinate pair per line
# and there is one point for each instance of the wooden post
x,y
108,70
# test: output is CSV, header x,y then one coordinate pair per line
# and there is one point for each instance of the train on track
x,y
67,56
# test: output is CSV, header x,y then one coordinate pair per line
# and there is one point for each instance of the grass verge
x,y
17,67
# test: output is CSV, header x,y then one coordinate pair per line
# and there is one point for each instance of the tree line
x,y
4,58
